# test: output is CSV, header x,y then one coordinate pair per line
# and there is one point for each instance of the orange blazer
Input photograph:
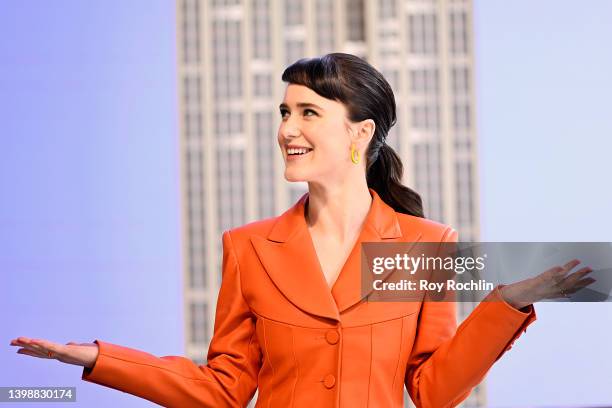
x,y
280,329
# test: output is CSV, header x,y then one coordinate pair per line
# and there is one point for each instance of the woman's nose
x,y
289,131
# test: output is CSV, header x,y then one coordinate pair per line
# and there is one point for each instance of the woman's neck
x,y
337,211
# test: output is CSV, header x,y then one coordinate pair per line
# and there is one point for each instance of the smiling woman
x,y
292,320
336,94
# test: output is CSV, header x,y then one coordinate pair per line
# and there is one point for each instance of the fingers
x,y
26,343
20,339
574,282
37,347
31,353
571,264
579,285
29,349
576,276
557,283
559,273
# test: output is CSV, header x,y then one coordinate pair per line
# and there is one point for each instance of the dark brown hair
x,y
367,95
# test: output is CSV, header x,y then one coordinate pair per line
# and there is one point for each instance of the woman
x,y
291,319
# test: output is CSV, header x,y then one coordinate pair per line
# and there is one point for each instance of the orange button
x,y
332,336
329,381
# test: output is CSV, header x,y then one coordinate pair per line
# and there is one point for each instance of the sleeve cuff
x,y
89,374
523,316
496,296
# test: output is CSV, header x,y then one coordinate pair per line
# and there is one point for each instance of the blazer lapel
x,y
289,258
381,225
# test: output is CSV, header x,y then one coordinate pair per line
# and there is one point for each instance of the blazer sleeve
x,y
229,378
447,362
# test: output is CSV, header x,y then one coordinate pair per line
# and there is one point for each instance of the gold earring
x,y
354,154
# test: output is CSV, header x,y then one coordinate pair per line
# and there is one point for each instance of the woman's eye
x,y
284,111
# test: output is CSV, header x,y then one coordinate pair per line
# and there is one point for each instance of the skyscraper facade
x,y
231,54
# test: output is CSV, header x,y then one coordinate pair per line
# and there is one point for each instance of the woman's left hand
x,y
550,284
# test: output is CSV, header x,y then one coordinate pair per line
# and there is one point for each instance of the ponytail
x,y
384,175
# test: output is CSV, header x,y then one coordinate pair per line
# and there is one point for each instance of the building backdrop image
x,y
231,55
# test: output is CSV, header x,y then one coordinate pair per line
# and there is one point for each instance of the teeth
x,y
297,151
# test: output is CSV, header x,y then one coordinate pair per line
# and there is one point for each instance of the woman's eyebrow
x,y
302,105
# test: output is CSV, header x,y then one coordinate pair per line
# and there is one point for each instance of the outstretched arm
x,y
229,379
447,362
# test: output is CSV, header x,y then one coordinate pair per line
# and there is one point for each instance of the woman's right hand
x,y
83,354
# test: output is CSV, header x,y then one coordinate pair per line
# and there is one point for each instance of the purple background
x,y
89,206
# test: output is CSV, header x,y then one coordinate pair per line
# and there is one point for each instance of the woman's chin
x,y
295,179
292,176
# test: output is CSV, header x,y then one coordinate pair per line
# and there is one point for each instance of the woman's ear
x,y
366,131
361,133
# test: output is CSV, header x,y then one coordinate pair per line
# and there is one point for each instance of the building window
x,y
227,60
294,12
192,119
294,50
392,77
198,311
195,218
461,115
230,186
458,32
262,85
426,117
461,80
325,31
424,81
427,172
422,33
355,21
261,36
387,9
463,183
266,149
191,31
223,3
